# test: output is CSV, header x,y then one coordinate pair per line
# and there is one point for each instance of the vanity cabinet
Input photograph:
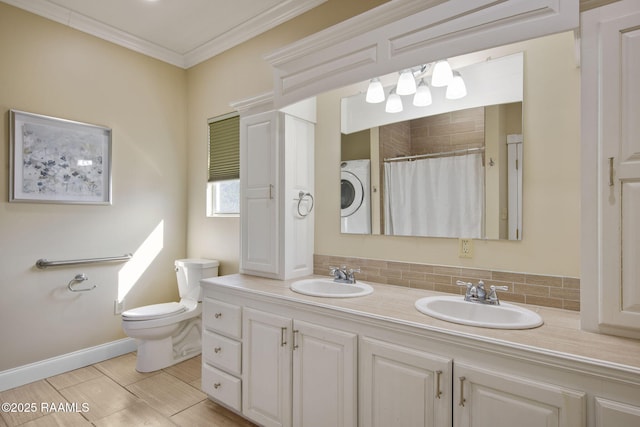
x,y
611,168
222,352
401,386
276,171
490,398
280,360
297,373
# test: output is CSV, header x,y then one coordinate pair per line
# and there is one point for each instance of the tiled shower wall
x,y
548,291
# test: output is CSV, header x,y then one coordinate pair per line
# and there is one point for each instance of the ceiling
x,y
180,32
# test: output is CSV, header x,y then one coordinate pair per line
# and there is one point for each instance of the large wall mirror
x,y
433,159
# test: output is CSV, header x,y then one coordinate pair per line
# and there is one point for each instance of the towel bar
x,y
44,263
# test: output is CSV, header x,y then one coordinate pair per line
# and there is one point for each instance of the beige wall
x,y
158,114
53,70
551,242
235,75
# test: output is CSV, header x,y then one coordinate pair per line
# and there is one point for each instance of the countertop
x,y
559,335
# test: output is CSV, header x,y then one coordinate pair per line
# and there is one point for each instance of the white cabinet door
x,y
400,386
324,376
620,68
266,368
484,398
259,193
611,168
611,413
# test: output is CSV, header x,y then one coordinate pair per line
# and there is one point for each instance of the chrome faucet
x,y
478,294
344,274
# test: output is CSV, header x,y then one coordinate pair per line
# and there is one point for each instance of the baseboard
x,y
21,375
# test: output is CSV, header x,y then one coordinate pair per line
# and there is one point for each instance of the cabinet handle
x,y
217,349
611,172
462,399
217,315
295,339
217,385
438,391
283,337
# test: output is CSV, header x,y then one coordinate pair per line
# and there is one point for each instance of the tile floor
x,y
113,393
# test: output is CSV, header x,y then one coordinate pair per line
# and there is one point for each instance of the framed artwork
x,y
58,161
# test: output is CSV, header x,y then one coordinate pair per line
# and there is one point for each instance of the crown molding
x,y
265,21
271,18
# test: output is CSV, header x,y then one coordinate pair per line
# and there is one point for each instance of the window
x,y
223,188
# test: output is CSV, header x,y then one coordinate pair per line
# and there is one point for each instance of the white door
x,y
266,368
259,193
403,387
619,60
324,377
484,398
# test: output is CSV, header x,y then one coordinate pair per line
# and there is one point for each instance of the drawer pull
x,y
217,349
283,337
438,391
218,315
295,339
217,385
462,399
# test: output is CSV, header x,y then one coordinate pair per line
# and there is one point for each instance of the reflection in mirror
x,y
449,169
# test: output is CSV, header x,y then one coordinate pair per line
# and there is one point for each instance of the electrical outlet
x,y
465,248
118,307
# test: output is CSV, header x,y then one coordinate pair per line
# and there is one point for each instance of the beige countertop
x,y
560,334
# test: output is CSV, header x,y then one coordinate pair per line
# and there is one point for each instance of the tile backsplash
x,y
548,291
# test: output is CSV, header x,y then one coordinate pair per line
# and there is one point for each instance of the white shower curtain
x,y
439,197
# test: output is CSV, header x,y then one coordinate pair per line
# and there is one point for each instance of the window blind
x,y
224,148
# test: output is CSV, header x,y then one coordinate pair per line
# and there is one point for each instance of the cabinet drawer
x,y
221,386
222,352
222,317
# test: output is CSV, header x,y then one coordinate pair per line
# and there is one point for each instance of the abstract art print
x,y
59,161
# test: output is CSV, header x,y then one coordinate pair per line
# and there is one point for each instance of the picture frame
x,y
58,161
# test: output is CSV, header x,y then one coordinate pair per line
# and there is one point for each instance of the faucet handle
x,y
354,270
461,283
493,296
471,290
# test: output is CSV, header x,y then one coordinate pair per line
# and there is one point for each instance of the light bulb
x,y
442,74
456,89
394,103
375,92
422,98
406,83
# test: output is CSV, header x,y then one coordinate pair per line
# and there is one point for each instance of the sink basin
x,y
455,309
329,289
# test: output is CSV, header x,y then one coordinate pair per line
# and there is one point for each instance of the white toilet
x,y
171,332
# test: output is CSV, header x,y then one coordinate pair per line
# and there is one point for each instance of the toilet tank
x,y
190,272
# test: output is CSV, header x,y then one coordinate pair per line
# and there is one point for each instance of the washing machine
x,y
355,197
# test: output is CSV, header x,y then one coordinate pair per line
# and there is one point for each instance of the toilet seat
x,y
155,311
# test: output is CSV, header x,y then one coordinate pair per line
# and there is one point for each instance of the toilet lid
x,y
154,311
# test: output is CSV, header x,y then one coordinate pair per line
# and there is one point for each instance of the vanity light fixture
x,y
394,103
442,74
422,98
456,89
375,91
406,83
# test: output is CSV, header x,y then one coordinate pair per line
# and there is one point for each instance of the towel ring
x,y
301,196
79,278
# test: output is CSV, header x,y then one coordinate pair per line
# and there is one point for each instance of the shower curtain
x,y
439,197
